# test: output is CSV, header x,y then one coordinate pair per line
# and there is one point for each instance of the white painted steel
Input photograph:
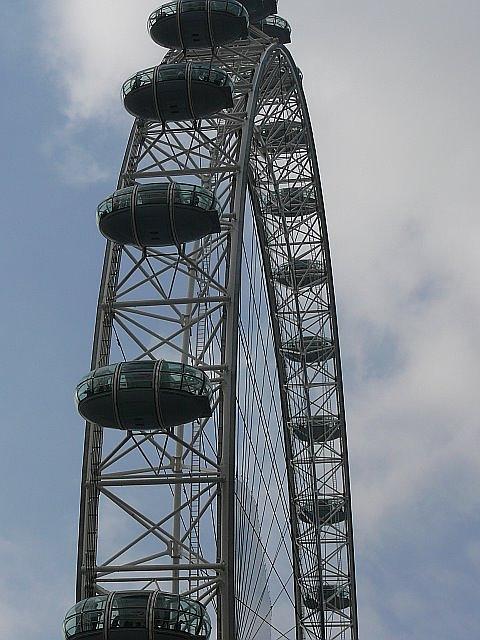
x,y
162,509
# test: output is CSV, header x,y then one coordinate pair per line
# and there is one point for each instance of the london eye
x,y
215,497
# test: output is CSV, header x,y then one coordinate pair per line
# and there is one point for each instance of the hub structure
x,y
215,498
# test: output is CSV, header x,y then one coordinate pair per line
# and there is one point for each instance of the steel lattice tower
x,y
215,479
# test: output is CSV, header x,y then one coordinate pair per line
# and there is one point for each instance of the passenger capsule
x,y
259,9
294,202
137,615
301,274
276,27
159,215
198,24
316,349
144,395
182,91
323,429
284,136
330,511
335,597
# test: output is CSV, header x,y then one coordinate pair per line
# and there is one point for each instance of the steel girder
x,y
187,302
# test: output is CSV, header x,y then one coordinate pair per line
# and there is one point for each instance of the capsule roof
x,y
175,92
159,214
124,614
198,24
276,27
144,395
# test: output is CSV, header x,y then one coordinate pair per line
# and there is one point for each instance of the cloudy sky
x,y
394,95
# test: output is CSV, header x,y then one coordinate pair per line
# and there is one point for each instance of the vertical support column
x,y
92,451
89,497
179,451
228,462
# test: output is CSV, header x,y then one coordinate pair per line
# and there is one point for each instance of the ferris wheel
x,y
215,490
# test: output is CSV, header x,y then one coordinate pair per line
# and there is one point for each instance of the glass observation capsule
x,y
293,202
276,27
144,394
137,615
259,9
182,91
198,24
284,136
159,215
316,349
334,598
330,511
300,274
322,428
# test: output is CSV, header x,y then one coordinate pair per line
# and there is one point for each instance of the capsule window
x,y
138,365
125,616
191,371
121,201
105,207
218,78
146,76
167,10
171,380
204,75
218,5
77,608
184,194
73,625
88,615
236,9
192,385
278,21
93,620
172,367
162,618
95,604
181,615
135,380
204,198
102,384
166,611
140,79
153,186
156,194
193,5
84,390
171,72
103,371
171,375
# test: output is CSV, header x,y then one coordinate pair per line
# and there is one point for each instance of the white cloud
x,y
91,48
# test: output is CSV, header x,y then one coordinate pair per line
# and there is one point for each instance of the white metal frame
x,y
186,302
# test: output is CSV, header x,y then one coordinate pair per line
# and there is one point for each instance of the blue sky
x,y
394,97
